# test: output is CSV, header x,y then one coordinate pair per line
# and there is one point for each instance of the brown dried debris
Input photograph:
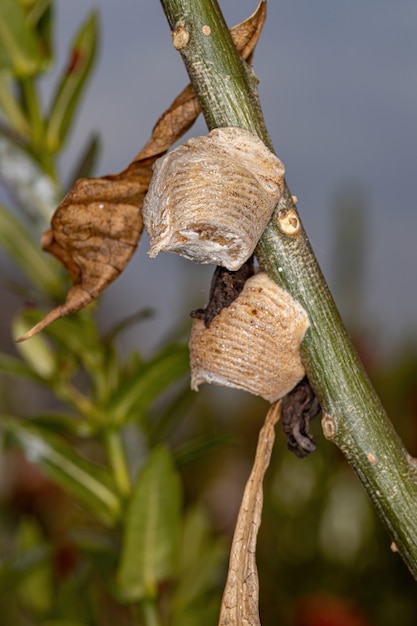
x,y
299,407
224,289
94,232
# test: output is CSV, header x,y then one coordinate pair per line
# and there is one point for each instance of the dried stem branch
x,y
353,417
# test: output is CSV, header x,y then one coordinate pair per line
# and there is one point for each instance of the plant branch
x,y
353,417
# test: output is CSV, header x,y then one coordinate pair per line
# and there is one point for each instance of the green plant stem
x,y
150,613
117,458
69,393
353,417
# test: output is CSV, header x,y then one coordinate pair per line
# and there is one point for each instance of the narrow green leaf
x,y
27,255
19,42
36,10
67,425
200,446
88,483
202,564
86,161
146,383
39,18
152,529
127,322
71,85
167,418
11,108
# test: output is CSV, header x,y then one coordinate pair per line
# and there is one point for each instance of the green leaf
x,y
151,535
65,425
146,383
71,85
9,104
166,419
39,18
87,160
19,42
196,448
87,482
27,254
201,566
127,322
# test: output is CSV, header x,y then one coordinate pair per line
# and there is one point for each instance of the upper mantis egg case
x,y
253,344
210,199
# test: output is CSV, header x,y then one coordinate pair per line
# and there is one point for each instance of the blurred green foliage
x,y
119,495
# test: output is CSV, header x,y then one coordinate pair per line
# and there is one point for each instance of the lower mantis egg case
x,y
254,344
210,199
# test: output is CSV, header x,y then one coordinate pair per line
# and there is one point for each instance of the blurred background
x,y
338,88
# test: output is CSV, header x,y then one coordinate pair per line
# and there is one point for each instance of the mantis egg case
x,y
254,344
210,199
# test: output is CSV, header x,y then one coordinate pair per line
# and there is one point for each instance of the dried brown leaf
x,y
240,604
97,226
185,109
94,232
246,34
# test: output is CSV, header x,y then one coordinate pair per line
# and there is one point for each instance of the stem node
x,y
328,424
180,35
289,222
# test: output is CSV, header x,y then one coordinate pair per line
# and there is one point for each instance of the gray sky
x,y
338,86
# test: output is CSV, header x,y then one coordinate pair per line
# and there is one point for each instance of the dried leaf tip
x,y
77,298
94,232
254,344
210,199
